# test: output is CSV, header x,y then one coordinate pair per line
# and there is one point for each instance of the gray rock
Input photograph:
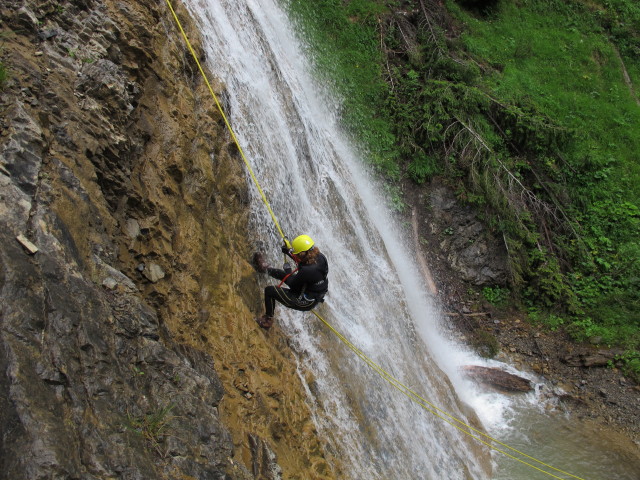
x,y
23,149
153,272
106,82
471,249
132,228
83,391
108,272
264,461
91,385
497,379
589,358
26,17
109,283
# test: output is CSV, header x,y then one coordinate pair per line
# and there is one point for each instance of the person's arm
x,y
276,273
287,251
297,281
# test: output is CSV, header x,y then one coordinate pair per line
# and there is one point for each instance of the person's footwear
x,y
259,262
265,322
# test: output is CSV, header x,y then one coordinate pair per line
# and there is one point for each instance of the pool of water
x,y
571,447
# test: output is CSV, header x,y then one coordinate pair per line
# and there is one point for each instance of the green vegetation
x,y
4,75
497,296
530,110
565,62
348,58
151,426
485,343
4,71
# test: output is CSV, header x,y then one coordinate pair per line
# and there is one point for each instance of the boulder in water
x,y
497,379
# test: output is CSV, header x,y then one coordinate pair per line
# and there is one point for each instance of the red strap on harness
x,y
286,276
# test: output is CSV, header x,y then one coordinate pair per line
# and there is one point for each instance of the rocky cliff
x,y
127,346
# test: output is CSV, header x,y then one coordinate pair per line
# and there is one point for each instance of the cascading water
x,y
313,180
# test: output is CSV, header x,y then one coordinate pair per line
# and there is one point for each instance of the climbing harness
x,y
287,276
460,425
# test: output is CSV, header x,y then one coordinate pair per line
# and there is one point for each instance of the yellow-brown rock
x,y
117,167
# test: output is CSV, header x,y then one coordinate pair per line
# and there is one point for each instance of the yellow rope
x,y
451,420
226,121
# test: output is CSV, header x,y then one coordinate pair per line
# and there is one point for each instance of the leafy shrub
x,y
422,168
550,321
485,343
630,364
527,116
497,296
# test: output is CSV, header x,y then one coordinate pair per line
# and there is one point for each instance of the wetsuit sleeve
x,y
276,273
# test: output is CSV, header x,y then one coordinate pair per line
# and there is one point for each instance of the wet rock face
x,y
93,383
91,390
127,304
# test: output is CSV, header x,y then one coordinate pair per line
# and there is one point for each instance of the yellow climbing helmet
x,y
301,243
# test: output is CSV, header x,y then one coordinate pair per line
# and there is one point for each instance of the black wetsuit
x,y
307,287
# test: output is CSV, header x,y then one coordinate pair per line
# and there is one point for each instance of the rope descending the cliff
x,y
226,121
413,396
463,427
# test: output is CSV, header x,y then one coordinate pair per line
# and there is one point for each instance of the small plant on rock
x,y
151,426
4,75
485,344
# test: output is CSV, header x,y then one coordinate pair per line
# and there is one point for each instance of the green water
x,y
578,447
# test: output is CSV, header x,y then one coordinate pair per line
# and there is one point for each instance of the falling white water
x,y
315,184
312,178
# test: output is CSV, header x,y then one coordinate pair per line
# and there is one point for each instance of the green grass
x,y
557,56
496,296
342,39
151,426
565,58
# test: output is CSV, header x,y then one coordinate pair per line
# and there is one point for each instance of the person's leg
x,y
270,296
289,300
278,294
285,297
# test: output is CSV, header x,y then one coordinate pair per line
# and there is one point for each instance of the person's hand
x,y
286,250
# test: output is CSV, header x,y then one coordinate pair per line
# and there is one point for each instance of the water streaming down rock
x,y
312,178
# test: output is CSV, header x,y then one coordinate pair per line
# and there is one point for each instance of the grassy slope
x,y
563,58
541,82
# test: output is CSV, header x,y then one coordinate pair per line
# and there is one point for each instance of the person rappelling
x,y
306,286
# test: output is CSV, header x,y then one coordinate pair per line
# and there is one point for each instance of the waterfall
x,y
316,185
